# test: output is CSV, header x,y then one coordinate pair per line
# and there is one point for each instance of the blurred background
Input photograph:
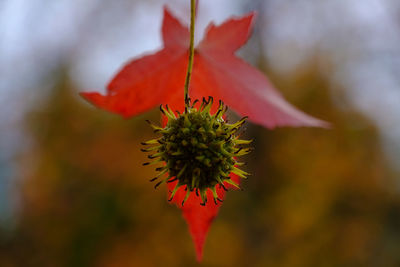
x,y
72,188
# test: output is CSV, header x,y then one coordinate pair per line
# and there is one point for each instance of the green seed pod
x,y
199,150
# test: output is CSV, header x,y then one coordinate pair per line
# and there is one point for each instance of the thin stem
x,y
191,50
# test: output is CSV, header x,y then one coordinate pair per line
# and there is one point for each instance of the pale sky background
x,y
96,37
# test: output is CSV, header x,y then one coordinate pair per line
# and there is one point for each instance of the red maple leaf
x,y
159,79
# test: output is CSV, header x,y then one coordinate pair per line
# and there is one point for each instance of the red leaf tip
x,y
174,33
228,36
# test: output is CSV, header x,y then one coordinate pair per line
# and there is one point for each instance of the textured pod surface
x,y
198,149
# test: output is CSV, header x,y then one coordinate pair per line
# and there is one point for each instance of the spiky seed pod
x,y
198,149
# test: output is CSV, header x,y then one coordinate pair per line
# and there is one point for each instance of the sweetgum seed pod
x,y
198,150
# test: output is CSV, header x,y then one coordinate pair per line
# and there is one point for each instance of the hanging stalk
x,y
191,51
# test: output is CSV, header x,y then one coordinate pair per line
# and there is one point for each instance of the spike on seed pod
x,y
199,150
